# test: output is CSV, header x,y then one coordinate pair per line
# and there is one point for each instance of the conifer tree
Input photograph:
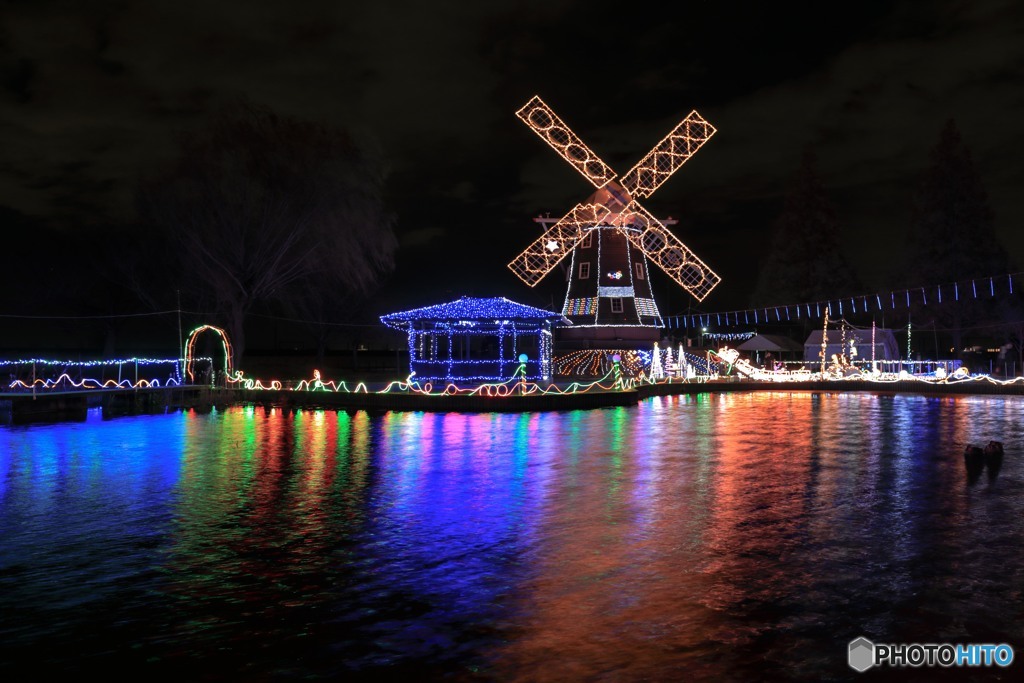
x,y
805,261
952,239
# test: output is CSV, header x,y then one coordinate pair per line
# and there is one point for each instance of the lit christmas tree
x,y
656,371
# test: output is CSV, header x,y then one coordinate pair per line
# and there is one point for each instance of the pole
x,y
824,342
181,344
873,366
908,345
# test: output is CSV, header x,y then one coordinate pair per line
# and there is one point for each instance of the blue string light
x,y
440,338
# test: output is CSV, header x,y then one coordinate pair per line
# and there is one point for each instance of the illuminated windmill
x,y
611,237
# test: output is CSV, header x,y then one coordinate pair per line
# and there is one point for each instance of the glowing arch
x,y
190,347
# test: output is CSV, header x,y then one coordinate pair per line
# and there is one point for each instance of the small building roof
x,y
493,309
886,346
771,342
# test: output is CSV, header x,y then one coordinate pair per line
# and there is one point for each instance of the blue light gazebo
x,y
477,339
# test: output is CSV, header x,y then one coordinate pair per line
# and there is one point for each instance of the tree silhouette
x,y
257,204
952,236
805,261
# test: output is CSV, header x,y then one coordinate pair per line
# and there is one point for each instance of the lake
x,y
717,536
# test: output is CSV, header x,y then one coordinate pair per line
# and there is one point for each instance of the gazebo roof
x,y
471,309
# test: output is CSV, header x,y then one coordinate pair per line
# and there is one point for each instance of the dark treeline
x,y
265,222
259,215
951,238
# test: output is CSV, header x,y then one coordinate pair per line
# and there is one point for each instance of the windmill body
x,y
611,237
609,298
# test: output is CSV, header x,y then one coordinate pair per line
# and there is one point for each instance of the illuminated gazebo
x,y
477,339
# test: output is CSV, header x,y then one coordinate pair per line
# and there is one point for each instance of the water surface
x,y
726,537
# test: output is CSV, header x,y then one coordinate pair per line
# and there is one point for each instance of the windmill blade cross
x,y
674,150
615,199
557,242
552,130
668,252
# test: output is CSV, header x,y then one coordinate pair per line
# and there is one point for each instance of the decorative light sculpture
x,y
190,349
442,339
614,202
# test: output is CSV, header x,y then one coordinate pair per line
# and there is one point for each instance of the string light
x,y
873,345
813,309
590,306
66,383
656,370
613,379
824,343
595,362
908,340
615,202
92,363
190,359
728,336
440,337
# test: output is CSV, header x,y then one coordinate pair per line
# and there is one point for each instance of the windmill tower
x,y
611,237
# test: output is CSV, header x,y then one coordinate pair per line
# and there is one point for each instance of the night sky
x,y
93,94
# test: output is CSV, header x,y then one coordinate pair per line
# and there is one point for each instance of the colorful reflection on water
x,y
733,536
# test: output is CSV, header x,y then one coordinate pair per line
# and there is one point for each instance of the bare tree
x,y
257,203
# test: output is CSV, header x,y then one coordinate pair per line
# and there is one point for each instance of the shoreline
x,y
24,408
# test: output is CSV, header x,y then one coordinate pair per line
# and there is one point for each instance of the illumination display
x,y
668,252
597,362
657,372
614,202
476,339
27,373
552,130
584,306
591,305
65,383
667,156
547,251
190,359
615,369
862,303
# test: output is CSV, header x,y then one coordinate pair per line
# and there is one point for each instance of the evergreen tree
x,y
805,261
952,239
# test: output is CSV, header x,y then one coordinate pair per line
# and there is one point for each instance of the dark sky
x,y
94,92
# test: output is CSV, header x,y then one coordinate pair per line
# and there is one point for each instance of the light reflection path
x,y
733,536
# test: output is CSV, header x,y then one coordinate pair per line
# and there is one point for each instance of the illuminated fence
x,y
40,374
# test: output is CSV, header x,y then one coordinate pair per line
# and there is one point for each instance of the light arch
x,y
190,348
